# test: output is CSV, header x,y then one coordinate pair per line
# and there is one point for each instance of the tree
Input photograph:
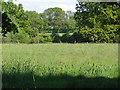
x,y
8,20
70,21
8,25
98,16
54,19
34,20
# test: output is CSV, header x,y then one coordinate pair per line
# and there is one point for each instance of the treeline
x,y
92,22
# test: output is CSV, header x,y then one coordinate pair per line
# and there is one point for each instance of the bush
x,y
56,38
46,38
43,38
32,32
116,39
67,38
21,37
9,38
5,40
36,39
84,35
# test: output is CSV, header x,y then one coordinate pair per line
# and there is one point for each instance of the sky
x,y
41,5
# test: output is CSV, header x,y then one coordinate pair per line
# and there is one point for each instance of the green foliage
x,y
67,38
92,22
9,37
116,39
34,20
97,22
22,37
56,38
8,25
46,38
56,20
97,35
42,38
35,39
32,32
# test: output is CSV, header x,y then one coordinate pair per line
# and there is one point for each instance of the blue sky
x,y
41,5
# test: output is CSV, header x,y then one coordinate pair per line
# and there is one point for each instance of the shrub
x,y
9,38
5,40
84,35
46,38
56,38
43,38
32,32
35,39
116,39
67,38
21,37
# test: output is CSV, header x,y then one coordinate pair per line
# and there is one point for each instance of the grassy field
x,y
60,65
60,34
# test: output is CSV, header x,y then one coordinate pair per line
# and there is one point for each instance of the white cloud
x,y
41,5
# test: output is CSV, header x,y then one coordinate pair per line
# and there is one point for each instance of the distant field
x,y
59,65
59,34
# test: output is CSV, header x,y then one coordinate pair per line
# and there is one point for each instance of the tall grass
x,y
49,65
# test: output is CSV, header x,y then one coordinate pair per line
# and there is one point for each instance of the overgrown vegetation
x,y
60,65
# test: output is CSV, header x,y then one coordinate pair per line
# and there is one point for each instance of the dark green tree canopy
x,y
98,21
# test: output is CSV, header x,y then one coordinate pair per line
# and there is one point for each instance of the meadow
x,y
60,34
60,65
